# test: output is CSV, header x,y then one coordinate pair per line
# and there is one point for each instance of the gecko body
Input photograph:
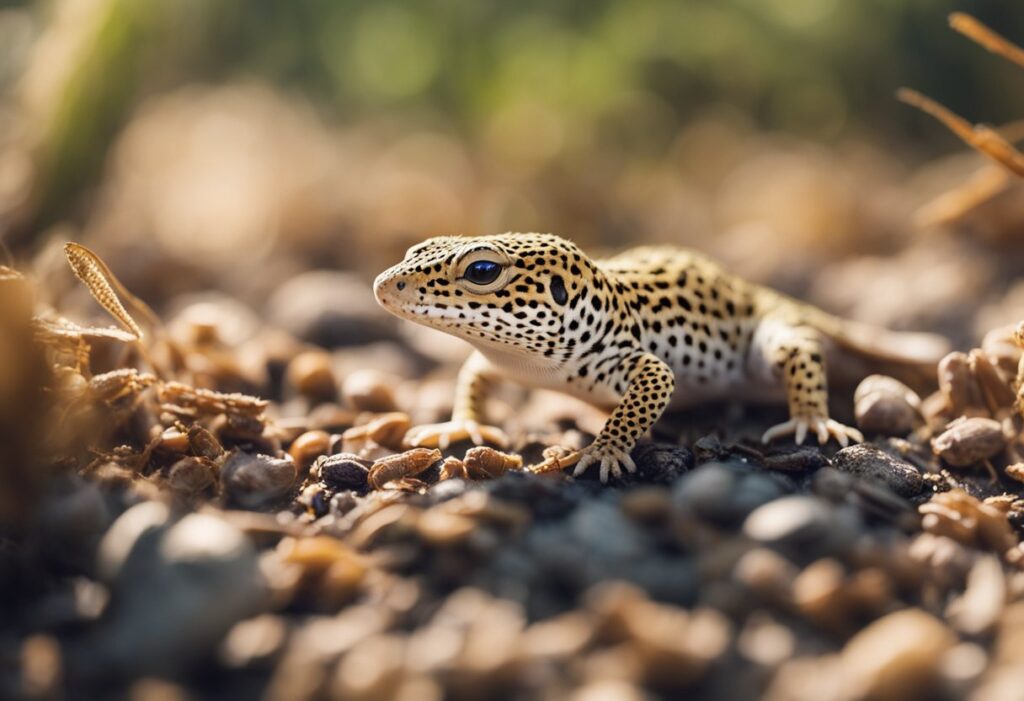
x,y
647,330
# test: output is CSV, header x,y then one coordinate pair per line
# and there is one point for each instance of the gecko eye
x,y
482,272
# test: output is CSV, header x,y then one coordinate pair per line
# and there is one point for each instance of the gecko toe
x,y
627,462
774,432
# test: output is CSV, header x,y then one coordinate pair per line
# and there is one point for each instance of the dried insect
x,y
966,520
118,384
969,441
972,385
116,389
407,464
484,462
183,400
453,468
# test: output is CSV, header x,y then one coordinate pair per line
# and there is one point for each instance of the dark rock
x,y
448,489
342,502
868,462
175,591
708,448
724,493
602,531
875,499
252,481
795,459
832,484
546,497
804,527
660,463
71,522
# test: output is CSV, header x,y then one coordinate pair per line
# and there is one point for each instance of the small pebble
x,y
885,406
256,480
969,441
308,447
311,375
369,390
192,476
897,657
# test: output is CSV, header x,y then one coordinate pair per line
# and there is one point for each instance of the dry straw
x,y
985,139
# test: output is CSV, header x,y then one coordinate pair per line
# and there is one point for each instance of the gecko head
x,y
513,292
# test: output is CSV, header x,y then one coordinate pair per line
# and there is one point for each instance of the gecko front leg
x,y
796,357
471,390
651,384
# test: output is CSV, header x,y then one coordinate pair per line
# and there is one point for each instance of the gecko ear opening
x,y
482,270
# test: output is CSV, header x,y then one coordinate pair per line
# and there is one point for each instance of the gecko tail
x,y
899,347
910,357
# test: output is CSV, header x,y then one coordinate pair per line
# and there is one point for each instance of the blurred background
x,y
247,167
232,145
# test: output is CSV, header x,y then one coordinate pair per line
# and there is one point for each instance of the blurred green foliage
x,y
577,75
816,67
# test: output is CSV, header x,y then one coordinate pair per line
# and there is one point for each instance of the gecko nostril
x,y
400,285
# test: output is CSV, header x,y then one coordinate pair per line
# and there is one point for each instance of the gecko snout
x,y
388,286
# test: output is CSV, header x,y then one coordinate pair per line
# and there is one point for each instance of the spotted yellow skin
x,y
650,329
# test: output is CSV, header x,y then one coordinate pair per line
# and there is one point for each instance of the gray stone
x,y
175,591
602,531
252,481
803,527
724,493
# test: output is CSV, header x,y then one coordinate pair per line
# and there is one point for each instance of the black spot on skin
x,y
558,291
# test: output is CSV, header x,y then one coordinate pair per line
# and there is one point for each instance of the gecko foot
x,y
824,427
444,434
610,458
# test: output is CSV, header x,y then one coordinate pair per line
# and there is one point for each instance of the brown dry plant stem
x,y
996,43
983,138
